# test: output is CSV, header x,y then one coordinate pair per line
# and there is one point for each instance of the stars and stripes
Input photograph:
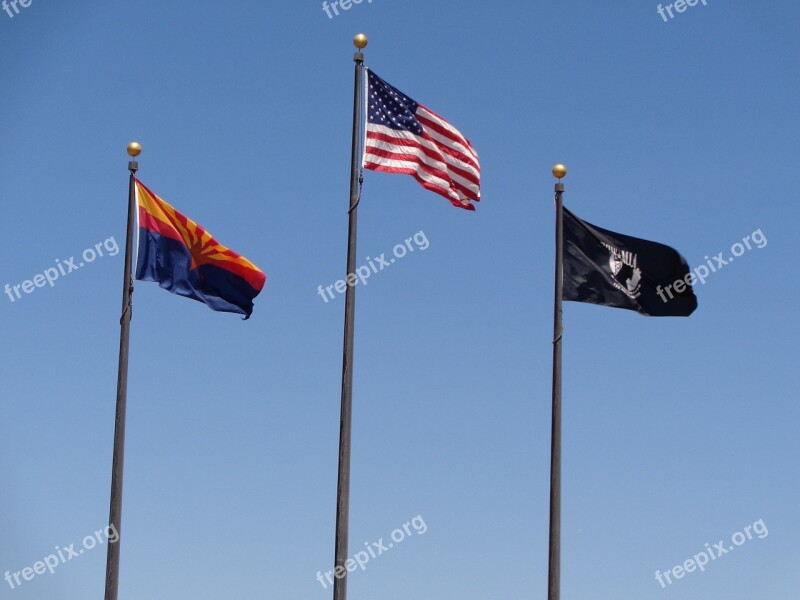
x,y
402,136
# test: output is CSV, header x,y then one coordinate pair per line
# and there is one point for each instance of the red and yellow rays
x,y
158,216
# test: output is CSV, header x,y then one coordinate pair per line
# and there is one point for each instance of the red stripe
x,y
388,154
422,182
446,185
469,177
253,276
255,279
455,154
158,226
383,137
461,172
450,136
238,274
457,132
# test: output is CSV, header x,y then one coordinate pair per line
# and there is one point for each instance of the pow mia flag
x,y
611,269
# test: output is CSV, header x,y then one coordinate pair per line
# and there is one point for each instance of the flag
x,y
403,136
185,259
603,267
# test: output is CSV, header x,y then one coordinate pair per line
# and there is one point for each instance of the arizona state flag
x,y
186,260
612,269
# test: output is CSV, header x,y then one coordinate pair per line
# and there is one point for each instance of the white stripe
x,y
407,135
408,164
426,114
423,158
440,183
443,163
446,142
365,104
457,135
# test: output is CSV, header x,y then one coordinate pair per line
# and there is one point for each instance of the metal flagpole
x,y
115,513
343,487
554,563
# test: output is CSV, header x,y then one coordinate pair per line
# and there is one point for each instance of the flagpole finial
x,y
559,171
134,150
360,41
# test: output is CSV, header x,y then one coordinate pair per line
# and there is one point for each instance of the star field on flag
x,y
403,136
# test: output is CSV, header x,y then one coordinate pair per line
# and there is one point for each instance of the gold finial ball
x,y
360,41
559,171
134,149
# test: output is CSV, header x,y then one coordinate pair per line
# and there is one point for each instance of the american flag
x,y
402,136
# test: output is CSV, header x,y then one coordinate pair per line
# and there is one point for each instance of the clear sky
x,y
677,432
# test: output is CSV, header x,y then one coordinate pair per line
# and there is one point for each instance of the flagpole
x,y
115,513
343,486
554,561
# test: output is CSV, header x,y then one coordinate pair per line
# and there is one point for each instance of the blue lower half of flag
x,y
170,263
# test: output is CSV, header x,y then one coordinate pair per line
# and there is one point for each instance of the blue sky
x,y
677,432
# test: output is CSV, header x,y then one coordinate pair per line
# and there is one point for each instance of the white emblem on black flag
x,y
612,269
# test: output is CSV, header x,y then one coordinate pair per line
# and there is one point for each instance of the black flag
x,y
611,269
